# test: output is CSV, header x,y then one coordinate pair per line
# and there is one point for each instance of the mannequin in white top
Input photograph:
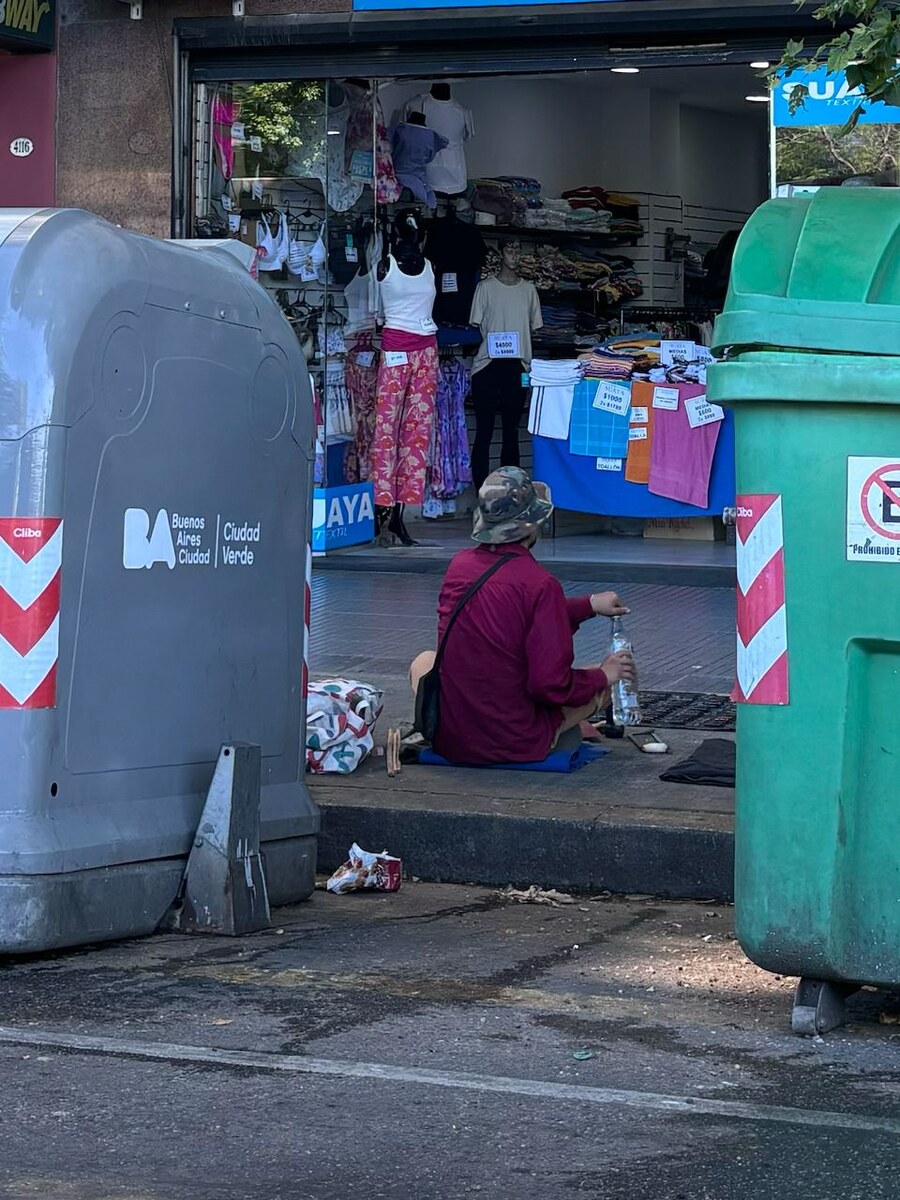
x,y
407,379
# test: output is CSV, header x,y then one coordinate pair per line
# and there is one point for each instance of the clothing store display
x,y
272,242
450,470
457,252
552,393
325,159
404,414
497,200
608,364
507,670
413,148
596,432
361,372
503,308
338,414
358,298
447,173
307,259
406,301
637,464
497,389
222,114
681,458
358,146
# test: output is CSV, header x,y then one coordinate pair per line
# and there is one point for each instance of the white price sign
x,y
609,464
637,433
665,397
701,412
614,398
503,345
639,415
672,353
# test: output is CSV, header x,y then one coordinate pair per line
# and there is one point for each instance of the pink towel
x,y
681,458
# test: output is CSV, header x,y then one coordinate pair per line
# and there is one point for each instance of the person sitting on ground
x,y
507,682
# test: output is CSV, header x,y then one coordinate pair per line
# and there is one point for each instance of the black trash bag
x,y
711,763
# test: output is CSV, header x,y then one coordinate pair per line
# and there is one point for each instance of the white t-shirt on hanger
x,y
447,172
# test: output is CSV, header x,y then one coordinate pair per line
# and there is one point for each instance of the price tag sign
x,y
395,358
256,145
351,254
428,326
449,283
614,398
637,433
362,164
238,132
227,203
308,272
672,353
665,397
703,354
503,345
609,464
639,415
365,358
701,412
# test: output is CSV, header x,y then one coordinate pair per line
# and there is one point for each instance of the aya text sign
x,y
873,509
831,101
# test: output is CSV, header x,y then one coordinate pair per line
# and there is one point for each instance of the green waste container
x,y
812,330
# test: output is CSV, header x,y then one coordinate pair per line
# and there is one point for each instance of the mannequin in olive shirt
x,y
507,311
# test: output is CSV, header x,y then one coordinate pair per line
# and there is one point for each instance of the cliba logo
x,y
140,547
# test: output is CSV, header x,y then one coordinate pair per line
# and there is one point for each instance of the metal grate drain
x,y
687,710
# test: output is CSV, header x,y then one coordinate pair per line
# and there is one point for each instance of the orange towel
x,y
637,464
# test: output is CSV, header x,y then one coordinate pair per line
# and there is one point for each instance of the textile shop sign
x,y
831,100
342,516
28,24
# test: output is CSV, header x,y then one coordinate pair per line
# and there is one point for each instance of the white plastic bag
x,y
363,869
340,717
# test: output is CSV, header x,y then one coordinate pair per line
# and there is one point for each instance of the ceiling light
x,y
625,70
760,66
757,99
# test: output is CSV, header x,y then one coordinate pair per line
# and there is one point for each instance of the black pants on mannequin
x,y
497,388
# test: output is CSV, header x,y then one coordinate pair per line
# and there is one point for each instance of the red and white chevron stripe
x,y
30,563
762,648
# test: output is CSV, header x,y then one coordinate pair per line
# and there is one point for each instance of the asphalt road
x,y
436,1044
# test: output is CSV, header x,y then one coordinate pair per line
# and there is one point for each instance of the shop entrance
x,y
612,196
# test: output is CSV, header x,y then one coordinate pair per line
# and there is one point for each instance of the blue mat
x,y
562,762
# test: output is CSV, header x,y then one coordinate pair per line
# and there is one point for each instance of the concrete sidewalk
x,y
613,825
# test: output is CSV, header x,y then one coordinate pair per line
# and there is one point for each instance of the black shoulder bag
x,y
428,693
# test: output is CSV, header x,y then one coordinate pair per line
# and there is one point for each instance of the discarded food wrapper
x,y
537,895
366,870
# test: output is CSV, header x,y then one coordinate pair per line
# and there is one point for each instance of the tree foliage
x,y
865,45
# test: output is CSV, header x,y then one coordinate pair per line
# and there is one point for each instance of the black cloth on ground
x,y
712,763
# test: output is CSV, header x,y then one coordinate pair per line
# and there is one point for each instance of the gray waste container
x,y
156,440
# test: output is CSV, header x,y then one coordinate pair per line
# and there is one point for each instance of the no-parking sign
x,y
873,509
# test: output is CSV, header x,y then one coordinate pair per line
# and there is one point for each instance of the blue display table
x,y
577,485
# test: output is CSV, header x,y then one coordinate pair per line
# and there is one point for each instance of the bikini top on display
x,y
273,247
407,300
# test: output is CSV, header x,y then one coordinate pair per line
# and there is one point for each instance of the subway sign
x,y
28,24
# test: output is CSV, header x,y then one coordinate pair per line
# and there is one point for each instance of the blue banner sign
x,y
831,101
343,516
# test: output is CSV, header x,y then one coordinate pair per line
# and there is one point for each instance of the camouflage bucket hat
x,y
510,507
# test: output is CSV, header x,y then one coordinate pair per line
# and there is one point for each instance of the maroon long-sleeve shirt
x,y
507,669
